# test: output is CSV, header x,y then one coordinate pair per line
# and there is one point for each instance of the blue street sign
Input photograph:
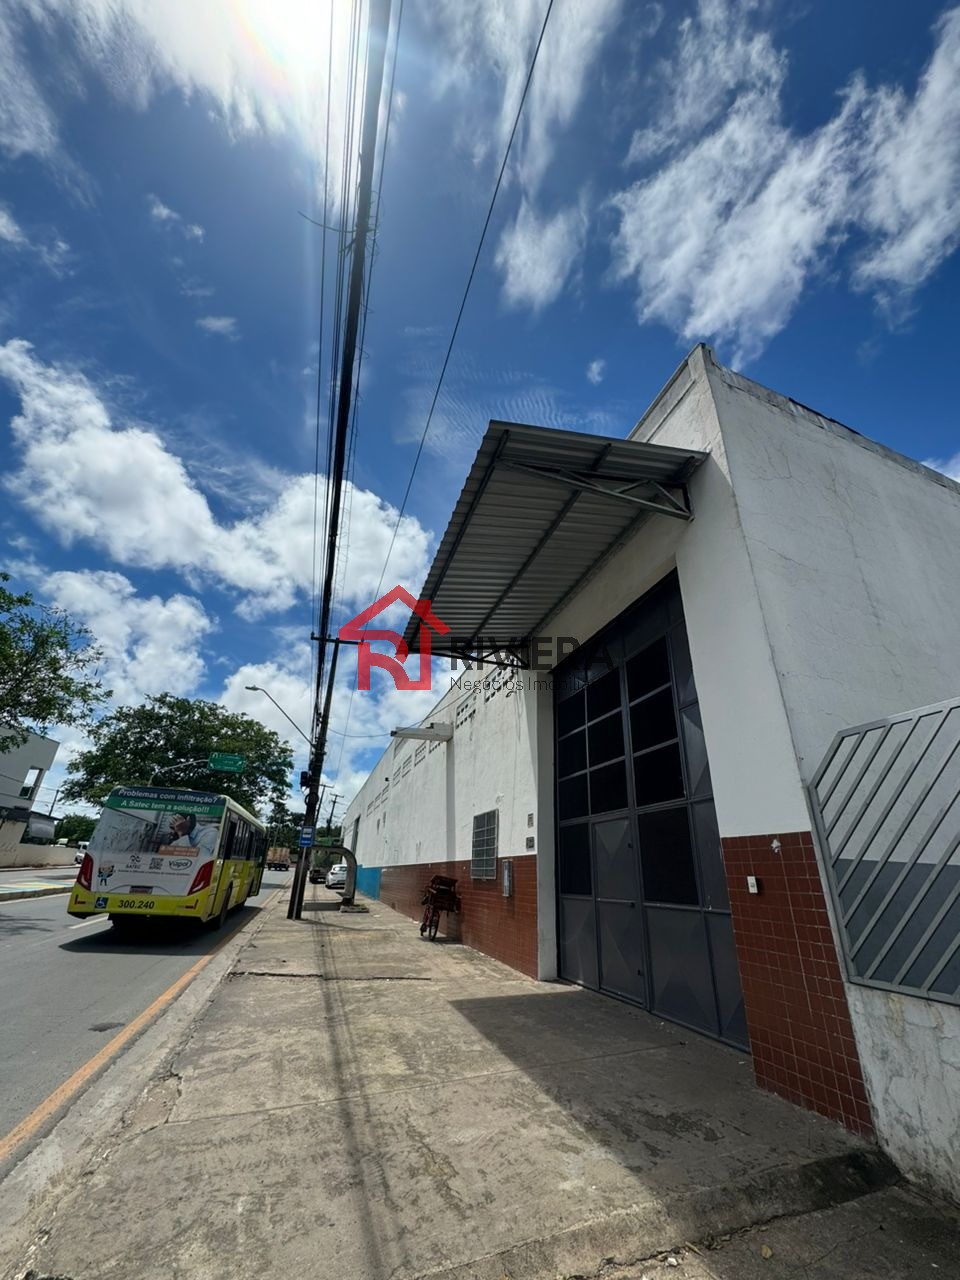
x,y
306,837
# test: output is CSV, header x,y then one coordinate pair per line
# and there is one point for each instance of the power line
x,y
456,326
314,579
466,291
378,25
366,312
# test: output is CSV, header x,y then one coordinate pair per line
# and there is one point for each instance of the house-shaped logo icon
x,y
355,631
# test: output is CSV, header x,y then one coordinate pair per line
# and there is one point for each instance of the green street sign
x,y
224,762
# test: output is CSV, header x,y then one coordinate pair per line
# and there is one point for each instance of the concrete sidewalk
x,y
27,888
357,1103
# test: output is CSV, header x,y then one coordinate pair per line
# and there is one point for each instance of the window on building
x,y
483,860
30,783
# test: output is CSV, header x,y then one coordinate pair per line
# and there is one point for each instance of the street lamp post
x,y
181,764
255,688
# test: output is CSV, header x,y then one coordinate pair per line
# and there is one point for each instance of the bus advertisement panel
x,y
164,851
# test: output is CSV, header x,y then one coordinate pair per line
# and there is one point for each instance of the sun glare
x,y
288,40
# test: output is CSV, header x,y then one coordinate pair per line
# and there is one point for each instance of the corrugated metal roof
x,y
539,510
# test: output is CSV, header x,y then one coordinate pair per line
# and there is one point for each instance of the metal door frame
x,y
632,815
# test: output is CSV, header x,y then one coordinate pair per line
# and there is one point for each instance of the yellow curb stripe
x,y
64,1092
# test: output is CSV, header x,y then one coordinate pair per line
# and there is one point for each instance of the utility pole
x,y
378,25
333,805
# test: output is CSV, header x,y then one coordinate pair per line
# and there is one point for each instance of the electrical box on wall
x,y
506,877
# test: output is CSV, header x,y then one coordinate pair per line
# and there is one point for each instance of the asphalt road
x,y
68,986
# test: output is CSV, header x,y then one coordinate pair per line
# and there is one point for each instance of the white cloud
x,y
118,487
912,196
473,394
717,55
27,125
288,680
52,253
160,212
537,255
150,645
10,230
165,216
744,212
259,67
949,466
497,39
351,741
499,36
223,326
595,371
196,289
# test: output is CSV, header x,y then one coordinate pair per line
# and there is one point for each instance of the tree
x,y
283,827
166,743
48,667
75,827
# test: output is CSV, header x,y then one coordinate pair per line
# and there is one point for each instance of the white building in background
x,y
22,771
740,581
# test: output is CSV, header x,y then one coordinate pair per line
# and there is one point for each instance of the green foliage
x,y
75,827
166,742
284,827
47,668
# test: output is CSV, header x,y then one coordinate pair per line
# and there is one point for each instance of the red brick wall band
x,y
505,928
800,1031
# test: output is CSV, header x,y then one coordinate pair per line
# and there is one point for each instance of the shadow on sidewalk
x,y
671,1106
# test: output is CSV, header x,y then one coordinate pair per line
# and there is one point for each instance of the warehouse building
x,y
710,764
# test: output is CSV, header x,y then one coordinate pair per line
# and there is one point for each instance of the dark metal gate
x,y
643,909
886,803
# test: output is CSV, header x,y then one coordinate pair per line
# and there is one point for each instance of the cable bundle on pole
x,y
378,23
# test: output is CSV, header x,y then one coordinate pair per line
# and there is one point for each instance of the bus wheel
x,y
218,921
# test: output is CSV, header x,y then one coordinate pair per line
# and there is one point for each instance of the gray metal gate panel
x,y
886,806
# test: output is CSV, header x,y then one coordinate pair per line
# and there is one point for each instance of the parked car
x,y
337,876
316,874
78,856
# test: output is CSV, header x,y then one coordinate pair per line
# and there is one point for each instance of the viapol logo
x,y
355,631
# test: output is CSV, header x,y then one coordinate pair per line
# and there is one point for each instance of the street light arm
x,y
181,764
255,688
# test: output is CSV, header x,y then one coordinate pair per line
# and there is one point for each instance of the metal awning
x,y
539,511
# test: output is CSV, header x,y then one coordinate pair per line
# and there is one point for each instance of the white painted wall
x,y
755,780
854,552
910,1051
15,765
419,805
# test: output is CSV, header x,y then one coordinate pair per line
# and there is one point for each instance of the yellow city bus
x,y
164,851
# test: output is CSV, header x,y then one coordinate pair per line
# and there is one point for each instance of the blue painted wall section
x,y
368,881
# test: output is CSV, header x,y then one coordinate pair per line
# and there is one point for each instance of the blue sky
x,y
783,185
